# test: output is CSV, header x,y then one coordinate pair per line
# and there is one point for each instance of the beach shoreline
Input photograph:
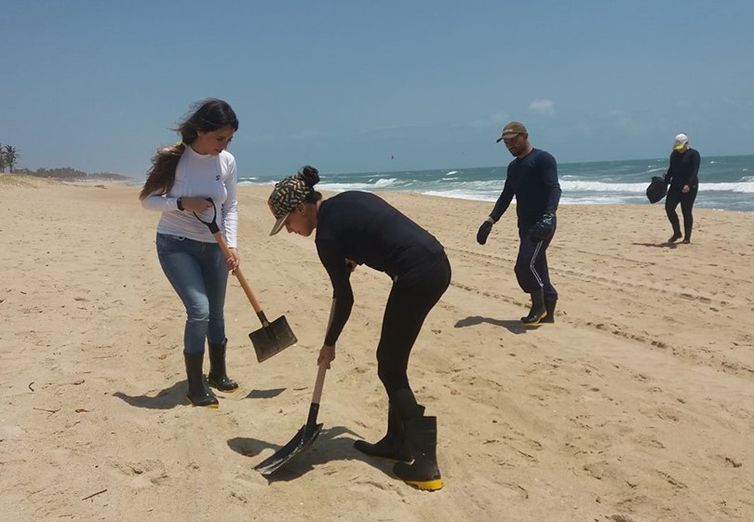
x,y
636,405
725,182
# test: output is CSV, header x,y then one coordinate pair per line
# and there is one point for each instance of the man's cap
x,y
511,130
681,140
288,194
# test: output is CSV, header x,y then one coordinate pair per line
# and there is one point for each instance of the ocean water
x,y
725,182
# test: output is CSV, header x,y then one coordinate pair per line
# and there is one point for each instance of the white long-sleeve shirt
x,y
205,176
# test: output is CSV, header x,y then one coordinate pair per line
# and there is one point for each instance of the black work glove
x,y
543,228
484,231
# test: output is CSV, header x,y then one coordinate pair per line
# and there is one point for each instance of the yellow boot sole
x,y
426,485
537,322
213,406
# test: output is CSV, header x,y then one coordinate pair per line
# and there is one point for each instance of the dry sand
x,y
636,405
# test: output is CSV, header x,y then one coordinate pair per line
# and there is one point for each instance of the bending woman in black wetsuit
x,y
355,228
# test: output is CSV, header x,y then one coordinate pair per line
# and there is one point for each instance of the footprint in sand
x,y
144,473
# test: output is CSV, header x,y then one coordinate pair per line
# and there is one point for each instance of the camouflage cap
x,y
288,194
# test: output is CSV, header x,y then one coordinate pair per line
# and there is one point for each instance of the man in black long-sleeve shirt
x,y
682,175
533,178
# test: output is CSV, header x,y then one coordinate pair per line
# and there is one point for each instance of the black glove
x,y
484,231
543,228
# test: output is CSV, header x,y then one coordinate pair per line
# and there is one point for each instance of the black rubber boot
x,y
550,309
198,394
217,376
393,445
537,311
673,218
687,234
422,473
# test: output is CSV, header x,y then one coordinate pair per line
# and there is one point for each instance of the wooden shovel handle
x,y
311,420
241,279
319,384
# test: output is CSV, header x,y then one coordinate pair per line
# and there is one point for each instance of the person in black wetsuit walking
x,y
355,228
682,175
533,178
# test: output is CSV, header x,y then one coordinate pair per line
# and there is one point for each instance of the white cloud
x,y
546,107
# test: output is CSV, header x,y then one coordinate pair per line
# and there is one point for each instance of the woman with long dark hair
x,y
193,176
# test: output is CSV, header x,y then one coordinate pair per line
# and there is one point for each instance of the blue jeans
x,y
199,275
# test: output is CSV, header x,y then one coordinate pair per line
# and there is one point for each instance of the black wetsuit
x,y
363,228
683,170
533,179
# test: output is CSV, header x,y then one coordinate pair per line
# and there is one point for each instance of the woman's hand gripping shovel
x,y
305,436
274,336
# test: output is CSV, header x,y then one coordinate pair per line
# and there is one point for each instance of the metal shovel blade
x,y
272,339
302,440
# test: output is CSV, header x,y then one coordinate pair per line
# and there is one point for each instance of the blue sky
x,y
345,85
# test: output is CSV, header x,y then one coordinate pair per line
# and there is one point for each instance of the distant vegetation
x,y
67,173
9,157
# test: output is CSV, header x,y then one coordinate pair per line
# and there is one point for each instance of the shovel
x,y
303,439
273,337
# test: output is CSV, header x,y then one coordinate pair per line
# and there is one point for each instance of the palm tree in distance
x,y
10,156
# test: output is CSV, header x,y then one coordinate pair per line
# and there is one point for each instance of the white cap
x,y
680,141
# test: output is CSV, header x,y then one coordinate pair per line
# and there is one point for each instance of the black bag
x,y
657,189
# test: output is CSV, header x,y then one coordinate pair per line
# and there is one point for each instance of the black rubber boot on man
x,y
422,473
217,375
198,394
537,311
393,445
550,309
